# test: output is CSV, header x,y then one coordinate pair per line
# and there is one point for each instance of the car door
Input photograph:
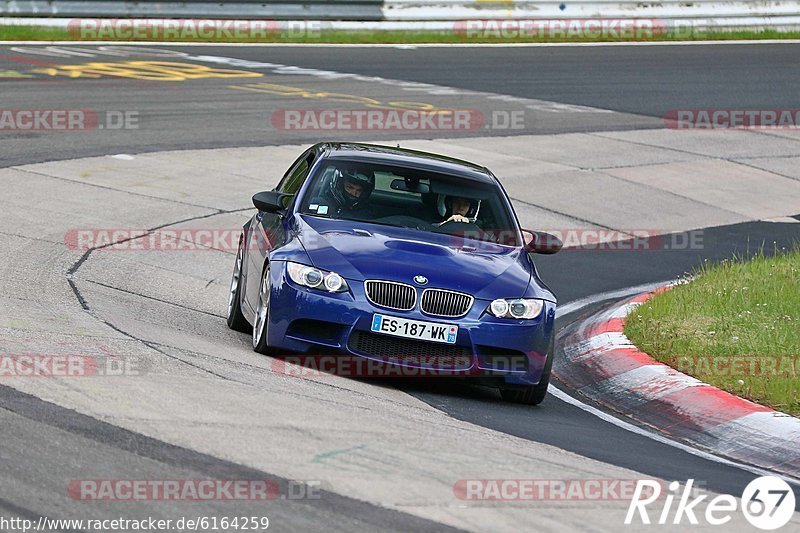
x,y
268,230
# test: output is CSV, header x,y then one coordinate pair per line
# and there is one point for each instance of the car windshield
x,y
410,198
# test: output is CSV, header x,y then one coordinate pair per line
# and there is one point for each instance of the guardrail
x,y
239,9
426,14
593,9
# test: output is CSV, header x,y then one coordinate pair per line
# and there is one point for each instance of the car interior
x,y
408,198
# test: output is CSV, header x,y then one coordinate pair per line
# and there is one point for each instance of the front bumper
x,y
319,323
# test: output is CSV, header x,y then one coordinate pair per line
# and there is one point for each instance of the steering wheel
x,y
455,228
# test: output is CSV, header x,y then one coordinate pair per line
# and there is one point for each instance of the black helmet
x,y
444,205
363,177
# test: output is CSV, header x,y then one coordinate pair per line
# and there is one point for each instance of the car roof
x,y
408,158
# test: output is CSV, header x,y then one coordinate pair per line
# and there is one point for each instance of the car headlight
x,y
314,278
516,308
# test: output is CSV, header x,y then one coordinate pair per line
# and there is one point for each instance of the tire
x,y
261,321
535,394
236,319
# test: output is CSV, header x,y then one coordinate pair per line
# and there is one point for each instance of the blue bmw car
x,y
400,257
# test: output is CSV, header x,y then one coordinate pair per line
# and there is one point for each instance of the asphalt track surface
x,y
640,83
646,80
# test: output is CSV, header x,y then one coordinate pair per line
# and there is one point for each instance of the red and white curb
x,y
600,363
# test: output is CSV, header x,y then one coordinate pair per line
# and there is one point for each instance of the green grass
x,y
736,325
37,33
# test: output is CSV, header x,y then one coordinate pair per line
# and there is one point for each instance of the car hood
x,y
360,251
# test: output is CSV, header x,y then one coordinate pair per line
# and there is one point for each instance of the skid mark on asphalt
x,y
742,162
244,373
322,458
353,460
140,295
72,271
28,60
106,187
564,214
37,239
223,368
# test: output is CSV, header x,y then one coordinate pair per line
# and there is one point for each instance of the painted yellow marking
x,y
146,70
51,71
286,90
13,74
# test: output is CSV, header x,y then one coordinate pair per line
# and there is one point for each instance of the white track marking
x,y
563,396
576,305
571,307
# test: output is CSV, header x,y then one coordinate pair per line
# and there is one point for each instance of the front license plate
x,y
414,329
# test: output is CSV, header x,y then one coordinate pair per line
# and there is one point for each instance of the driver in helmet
x,y
349,191
458,209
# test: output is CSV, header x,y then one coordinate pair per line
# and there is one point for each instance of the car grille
x,y
391,294
445,303
410,351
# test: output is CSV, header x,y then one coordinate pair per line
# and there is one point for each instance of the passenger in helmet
x,y
458,209
348,191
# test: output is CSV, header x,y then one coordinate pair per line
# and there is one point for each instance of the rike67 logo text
x,y
767,503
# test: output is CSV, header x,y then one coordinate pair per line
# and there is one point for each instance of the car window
x,y
383,182
416,199
296,175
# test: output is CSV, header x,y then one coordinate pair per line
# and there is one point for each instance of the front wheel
x,y
261,322
535,394
236,319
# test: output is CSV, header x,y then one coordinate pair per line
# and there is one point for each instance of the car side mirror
x,y
540,242
270,201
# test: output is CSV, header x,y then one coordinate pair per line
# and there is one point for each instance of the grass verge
x,y
44,33
736,326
